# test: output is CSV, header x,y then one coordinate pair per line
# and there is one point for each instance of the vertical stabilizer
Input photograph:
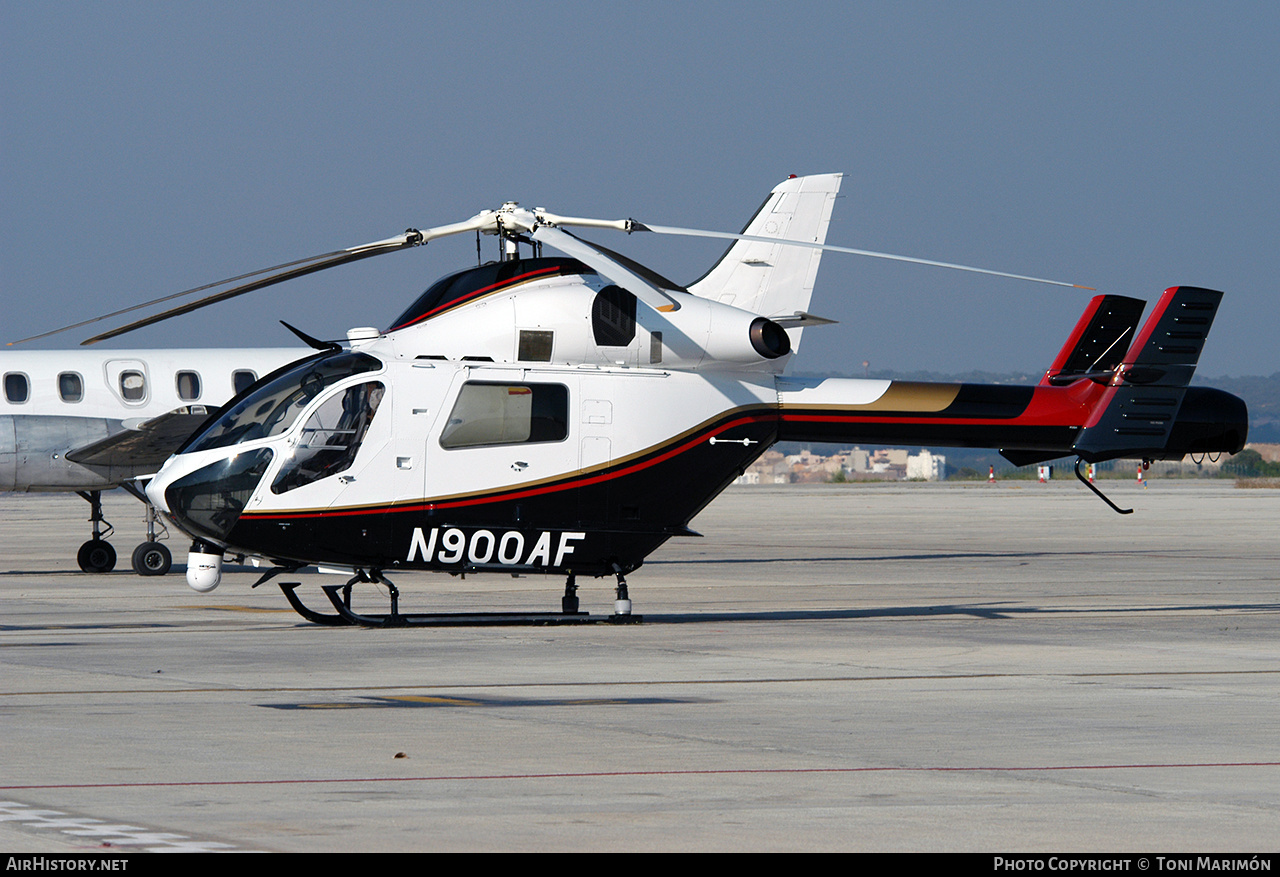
x,y
1099,340
776,280
1140,412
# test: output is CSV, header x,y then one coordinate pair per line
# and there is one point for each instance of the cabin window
x,y
70,387
535,345
188,386
17,389
133,385
242,379
507,414
331,437
613,317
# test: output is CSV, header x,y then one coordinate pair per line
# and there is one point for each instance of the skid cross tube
x,y
344,615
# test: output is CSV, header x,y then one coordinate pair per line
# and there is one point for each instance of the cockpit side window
x,y
272,408
507,414
331,437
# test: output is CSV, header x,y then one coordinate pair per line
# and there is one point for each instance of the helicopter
x,y
567,414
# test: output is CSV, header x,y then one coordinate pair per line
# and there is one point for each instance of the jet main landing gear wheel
x,y
96,555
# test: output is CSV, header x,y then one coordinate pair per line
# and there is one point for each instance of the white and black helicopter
x,y
569,414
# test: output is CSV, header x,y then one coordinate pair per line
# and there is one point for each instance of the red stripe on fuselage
x,y
525,493
493,287
1049,406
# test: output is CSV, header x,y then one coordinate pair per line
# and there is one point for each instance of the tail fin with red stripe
x,y
1148,410
1099,340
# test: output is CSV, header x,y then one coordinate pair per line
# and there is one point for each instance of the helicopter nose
x,y
206,501
156,486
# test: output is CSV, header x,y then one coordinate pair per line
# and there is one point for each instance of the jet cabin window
x,y
242,380
70,387
133,385
17,389
188,386
507,414
331,437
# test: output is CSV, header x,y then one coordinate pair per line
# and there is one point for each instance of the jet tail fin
x,y
775,280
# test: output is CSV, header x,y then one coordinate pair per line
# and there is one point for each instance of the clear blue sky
x,y
148,147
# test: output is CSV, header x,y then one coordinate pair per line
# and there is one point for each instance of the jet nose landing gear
x,y
96,555
151,559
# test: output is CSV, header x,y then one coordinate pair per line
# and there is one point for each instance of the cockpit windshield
x,y
273,407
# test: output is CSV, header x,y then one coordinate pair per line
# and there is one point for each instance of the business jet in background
x,y
94,420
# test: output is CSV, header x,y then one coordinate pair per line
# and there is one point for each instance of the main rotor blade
x,y
354,254
605,266
301,267
631,225
695,232
176,295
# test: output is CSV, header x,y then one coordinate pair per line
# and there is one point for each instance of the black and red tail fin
x,y
1099,340
1148,410
1167,349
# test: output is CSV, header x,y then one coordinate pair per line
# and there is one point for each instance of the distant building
x,y
885,458
926,466
806,467
771,468
857,460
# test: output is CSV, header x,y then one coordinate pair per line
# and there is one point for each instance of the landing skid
x,y
344,615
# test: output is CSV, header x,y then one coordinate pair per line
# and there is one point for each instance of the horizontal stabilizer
x,y
801,319
1028,458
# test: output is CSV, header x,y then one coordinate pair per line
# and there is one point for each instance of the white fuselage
x,y
54,401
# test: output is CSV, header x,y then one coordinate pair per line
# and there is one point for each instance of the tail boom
x,y
1093,403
